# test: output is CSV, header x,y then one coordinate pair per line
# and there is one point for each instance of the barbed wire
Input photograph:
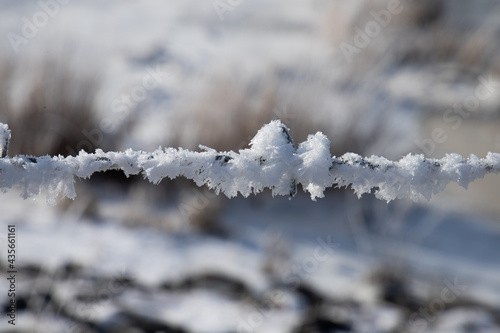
x,y
272,162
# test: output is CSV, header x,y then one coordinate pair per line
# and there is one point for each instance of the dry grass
x,y
229,110
224,116
423,34
48,105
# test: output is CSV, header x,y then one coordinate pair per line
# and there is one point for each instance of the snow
x,y
152,259
460,320
4,139
271,162
146,255
256,40
204,311
314,171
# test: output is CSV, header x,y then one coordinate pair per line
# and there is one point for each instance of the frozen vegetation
x,y
271,162
130,256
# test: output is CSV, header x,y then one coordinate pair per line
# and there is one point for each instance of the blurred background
x,y
377,77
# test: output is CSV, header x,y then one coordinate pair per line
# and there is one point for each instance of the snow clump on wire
x,y
272,161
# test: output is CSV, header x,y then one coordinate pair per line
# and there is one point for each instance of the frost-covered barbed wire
x,y
272,161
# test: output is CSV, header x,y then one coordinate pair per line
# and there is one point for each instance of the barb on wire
x,y
272,161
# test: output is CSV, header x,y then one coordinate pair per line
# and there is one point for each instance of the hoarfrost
x,y
272,161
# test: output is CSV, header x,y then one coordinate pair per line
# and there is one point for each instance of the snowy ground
x,y
120,259
278,266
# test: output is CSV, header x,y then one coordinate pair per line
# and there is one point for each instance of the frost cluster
x,y
272,161
4,139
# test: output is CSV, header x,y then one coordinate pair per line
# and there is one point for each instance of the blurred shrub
x,y
49,106
228,110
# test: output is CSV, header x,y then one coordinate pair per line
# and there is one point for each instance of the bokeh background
x,y
377,77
